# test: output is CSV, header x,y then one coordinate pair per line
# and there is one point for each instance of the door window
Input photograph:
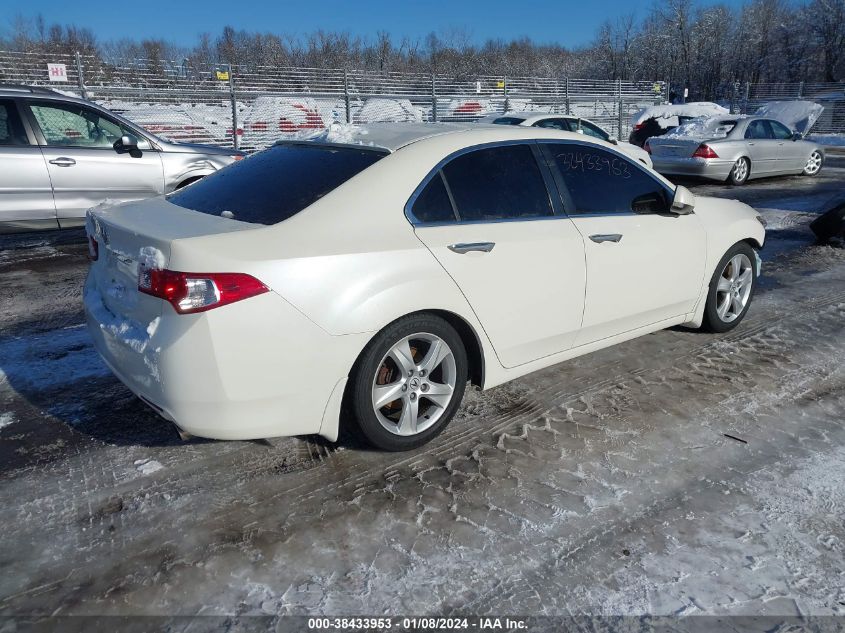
x,y
498,183
553,124
70,124
599,181
780,131
594,130
758,130
11,128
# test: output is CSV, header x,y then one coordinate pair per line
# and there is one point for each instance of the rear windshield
x,y
508,120
275,184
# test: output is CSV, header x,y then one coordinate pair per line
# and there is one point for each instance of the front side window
x,y
758,130
594,130
600,181
70,124
780,131
497,183
275,184
553,124
11,127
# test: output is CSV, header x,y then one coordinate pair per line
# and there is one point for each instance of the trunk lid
x,y
675,147
141,234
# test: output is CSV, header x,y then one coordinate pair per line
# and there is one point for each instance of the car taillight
x,y
639,126
705,151
237,157
647,147
93,248
197,292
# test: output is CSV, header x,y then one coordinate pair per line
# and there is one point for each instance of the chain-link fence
x,y
745,98
249,107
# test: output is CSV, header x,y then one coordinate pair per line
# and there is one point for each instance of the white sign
x,y
686,93
57,72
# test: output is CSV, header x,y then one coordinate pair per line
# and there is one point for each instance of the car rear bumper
x,y
253,369
715,168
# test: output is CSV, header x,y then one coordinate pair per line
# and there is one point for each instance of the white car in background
x,y
567,123
379,275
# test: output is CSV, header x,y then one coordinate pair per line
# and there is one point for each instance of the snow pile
x,y
147,466
7,419
389,111
131,333
151,258
702,129
831,140
346,133
667,115
797,115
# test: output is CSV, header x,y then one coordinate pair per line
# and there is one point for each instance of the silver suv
x,y
60,156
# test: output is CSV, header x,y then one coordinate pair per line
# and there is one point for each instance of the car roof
x,y
392,137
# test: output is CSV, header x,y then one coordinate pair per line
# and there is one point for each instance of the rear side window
x,y
497,183
11,128
758,130
275,184
600,181
508,120
553,124
433,204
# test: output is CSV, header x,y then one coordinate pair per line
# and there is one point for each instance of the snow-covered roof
x,y
389,136
797,115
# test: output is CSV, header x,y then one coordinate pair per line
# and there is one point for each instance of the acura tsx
x,y
367,276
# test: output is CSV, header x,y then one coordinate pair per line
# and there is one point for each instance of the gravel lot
x,y
680,473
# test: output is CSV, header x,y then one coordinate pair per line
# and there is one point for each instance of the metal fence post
x,y
745,99
619,109
505,89
80,77
566,94
234,107
433,99
801,90
346,96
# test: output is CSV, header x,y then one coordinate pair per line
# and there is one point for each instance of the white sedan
x,y
567,123
378,275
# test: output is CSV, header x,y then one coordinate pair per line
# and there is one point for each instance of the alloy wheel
x,y
414,384
814,164
740,170
733,290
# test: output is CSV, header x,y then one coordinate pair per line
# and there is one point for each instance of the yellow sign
x,y
500,84
223,75
657,87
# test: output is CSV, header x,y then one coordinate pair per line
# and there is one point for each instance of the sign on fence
x,y
57,72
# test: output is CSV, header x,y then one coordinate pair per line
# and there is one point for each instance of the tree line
x,y
702,48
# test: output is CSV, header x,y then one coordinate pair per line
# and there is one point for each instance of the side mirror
x,y
127,144
684,201
613,140
797,136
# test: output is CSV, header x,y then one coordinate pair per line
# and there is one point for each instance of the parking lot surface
x,y
679,473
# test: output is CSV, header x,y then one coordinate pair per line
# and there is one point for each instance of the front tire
x,y
731,289
408,382
814,164
740,172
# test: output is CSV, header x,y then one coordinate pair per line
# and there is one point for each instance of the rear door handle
x,y
606,237
63,161
484,247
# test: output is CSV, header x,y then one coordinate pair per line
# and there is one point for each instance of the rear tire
x,y
814,164
731,289
408,382
740,172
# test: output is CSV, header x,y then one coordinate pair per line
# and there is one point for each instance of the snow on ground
x,y
799,116
831,140
610,484
7,419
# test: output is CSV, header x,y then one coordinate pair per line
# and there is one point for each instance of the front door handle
x,y
483,247
606,237
63,161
